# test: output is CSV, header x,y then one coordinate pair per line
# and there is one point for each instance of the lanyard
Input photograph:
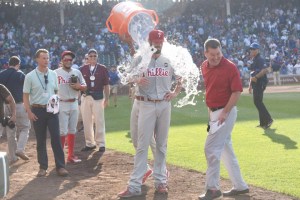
x,y
94,70
45,88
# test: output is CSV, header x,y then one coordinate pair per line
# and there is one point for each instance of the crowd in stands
x,y
274,24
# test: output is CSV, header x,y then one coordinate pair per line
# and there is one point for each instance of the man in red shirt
x,y
93,102
223,88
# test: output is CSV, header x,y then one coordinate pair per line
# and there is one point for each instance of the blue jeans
x,y
51,121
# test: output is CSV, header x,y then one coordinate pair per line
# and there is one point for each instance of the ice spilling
x,y
181,61
133,23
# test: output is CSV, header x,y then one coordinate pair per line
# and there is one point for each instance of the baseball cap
x,y
92,51
67,53
53,104
156,36
254,45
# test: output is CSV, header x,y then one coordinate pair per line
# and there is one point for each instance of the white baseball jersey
x,y
65,92
159,74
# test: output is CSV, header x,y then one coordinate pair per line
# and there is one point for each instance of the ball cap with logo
x,y
156,36
67,53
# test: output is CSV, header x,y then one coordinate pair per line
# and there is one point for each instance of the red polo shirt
x,y
220,82
101,77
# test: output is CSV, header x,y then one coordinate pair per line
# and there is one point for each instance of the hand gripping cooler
x,y
131,21
4,174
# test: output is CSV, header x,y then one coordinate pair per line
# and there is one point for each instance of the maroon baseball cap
x,y
156,36
67,53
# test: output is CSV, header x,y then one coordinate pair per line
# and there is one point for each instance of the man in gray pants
x,y
154,116
13,78
223,88
134,117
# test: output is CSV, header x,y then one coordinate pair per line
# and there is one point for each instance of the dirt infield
x,y
103,176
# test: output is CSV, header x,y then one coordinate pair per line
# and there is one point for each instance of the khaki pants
x,y
93,109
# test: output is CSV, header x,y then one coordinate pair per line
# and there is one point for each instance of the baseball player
x,y
70,83
134,116
154,116
223,88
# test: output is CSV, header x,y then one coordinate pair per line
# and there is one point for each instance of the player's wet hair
x,y
212,43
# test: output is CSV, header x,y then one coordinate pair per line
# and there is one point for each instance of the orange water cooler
x,y
131,21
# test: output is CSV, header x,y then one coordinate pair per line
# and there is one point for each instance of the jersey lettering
x,y
61,80
161,72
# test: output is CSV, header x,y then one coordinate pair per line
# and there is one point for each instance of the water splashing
x,y
181,60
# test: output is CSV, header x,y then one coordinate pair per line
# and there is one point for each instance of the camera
x,y
6,122
73,78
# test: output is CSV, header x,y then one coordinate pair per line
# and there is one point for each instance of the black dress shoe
x,y
210,195
102,149
269,124
86,148
234,192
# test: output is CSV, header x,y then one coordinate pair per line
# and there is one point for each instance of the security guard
x,y
258,83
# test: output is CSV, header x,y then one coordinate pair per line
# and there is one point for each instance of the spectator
x,y
94,101
247,21
41,84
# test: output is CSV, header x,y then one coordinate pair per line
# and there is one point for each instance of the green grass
x,y
268,158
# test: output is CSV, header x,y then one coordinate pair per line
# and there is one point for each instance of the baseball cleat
x,y
128,194
162,189
74,159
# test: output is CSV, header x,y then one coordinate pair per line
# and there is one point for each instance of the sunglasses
x,y
46,79
68,60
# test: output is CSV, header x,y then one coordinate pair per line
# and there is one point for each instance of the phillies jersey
x,y
159,74
65,92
